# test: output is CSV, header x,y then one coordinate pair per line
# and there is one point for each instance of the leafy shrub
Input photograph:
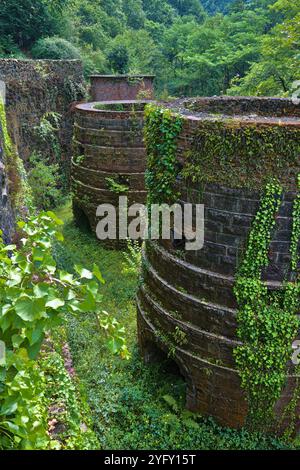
x,y
9,49
55,48
118,59
44,180
35,296
94,61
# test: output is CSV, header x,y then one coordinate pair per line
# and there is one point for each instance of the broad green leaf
x,y
55,304
54,218
83,273
17,340
30,309
97,274
66,277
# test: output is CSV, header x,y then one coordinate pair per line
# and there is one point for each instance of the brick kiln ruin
x,y
109,157
227,149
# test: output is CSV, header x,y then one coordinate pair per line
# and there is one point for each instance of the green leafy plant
x,y
116,187
68,421
47,132
18,186
55,48
44,180
296,230
162,128
133,256
35,297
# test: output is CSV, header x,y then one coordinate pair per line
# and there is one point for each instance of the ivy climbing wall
x,y
227,314
6,211
15,195
36,93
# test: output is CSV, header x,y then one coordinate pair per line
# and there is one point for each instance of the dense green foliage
x,y
43,178
135,406
55,49
241,47
35,297
220,153
18,188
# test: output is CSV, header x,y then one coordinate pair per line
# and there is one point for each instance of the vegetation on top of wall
x,y
242,156
267,321
55,48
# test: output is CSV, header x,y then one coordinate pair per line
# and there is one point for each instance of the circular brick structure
x,y
193,290
121,87
109,157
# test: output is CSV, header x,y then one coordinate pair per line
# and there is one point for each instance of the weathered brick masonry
x,y
121,87
108,147
193,290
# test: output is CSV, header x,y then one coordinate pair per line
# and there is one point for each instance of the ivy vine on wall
x,y
162,128
267,321
296,231
235,155
19,190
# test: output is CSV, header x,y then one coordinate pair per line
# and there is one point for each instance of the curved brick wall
x,y
193,290
121,87
108,144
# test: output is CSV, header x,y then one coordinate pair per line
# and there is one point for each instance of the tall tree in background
x,y
28,20
279,63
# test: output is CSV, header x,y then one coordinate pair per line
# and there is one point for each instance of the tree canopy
x,y
193,47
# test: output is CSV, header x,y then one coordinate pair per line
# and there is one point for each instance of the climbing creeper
x,y
267,321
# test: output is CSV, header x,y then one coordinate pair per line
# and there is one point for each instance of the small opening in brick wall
x,y
153,354
81,220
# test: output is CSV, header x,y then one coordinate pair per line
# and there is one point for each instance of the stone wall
x,y
34,88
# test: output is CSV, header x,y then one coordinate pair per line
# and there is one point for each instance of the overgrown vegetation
x,y
162,128
135,406
19,190
35,297
44,180
220,153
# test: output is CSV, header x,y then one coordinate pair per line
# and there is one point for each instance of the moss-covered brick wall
x,y
6,210
15,194
34,89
